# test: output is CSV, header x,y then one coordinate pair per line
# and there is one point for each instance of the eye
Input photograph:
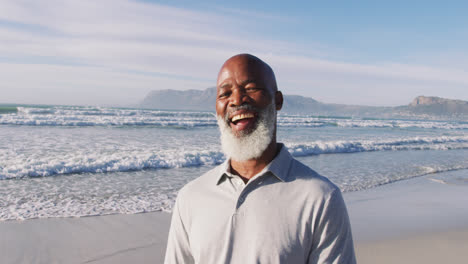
x,y
224,94
252,89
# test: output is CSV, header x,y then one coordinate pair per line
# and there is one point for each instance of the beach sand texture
x,y
138,238
413,221
437,247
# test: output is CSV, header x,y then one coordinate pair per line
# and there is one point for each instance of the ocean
x,y
75,161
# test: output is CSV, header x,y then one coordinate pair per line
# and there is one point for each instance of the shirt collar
x,y
279,166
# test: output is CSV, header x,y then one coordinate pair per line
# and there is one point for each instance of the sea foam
x,y
121,160
76,116
343,146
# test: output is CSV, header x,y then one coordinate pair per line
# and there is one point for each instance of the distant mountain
x,y
438,106
420,107
296,104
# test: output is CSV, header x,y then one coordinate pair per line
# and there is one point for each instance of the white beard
x,y
251,145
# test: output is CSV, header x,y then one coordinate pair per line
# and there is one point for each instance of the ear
x,y
278,100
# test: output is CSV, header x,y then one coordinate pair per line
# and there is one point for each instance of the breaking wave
x,y
342,146
122,160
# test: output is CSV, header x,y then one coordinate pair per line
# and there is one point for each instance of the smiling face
x,y
246,104
245,87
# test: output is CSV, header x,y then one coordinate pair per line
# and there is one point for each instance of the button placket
x,y
238,182
249,187
242,196
240,200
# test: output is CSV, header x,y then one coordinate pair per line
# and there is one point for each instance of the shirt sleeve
x,y
178,246
332,241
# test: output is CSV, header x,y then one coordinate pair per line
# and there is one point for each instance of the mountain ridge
x,y
427,107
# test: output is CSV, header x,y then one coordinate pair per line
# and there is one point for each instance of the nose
x,y
238,97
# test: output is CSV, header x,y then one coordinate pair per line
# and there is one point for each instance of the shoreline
x,y
419,220
411,207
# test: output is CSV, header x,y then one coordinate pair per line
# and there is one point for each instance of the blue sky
x,y
113,52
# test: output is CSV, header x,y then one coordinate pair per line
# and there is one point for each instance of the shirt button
x,y
241,199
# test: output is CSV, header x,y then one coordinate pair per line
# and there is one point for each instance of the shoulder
x,y
319,194
311,182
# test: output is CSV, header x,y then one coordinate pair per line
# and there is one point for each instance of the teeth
x,y
241,116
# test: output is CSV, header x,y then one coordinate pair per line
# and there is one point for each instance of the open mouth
x,y
240,117
242,121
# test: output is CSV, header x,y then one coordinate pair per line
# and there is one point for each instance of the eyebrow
x,y
243,83
226,85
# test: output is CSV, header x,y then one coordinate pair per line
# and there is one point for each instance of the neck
x,y
249,168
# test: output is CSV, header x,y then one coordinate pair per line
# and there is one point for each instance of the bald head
x,y
246,79
251,64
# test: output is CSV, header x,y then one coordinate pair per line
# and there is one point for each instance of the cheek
x,y
220,108
263,100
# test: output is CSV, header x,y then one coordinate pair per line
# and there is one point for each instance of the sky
x,y
113,52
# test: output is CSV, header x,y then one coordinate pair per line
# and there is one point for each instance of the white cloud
x,y
103,52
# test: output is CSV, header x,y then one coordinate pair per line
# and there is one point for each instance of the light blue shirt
x,y
287,214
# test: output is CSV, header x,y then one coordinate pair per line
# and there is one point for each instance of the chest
x,y
269,225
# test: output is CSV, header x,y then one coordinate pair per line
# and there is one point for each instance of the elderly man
x,y
261,205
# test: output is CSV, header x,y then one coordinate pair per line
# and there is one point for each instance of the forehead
x,y
240,71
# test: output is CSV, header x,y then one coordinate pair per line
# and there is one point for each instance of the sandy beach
x,y
421,220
